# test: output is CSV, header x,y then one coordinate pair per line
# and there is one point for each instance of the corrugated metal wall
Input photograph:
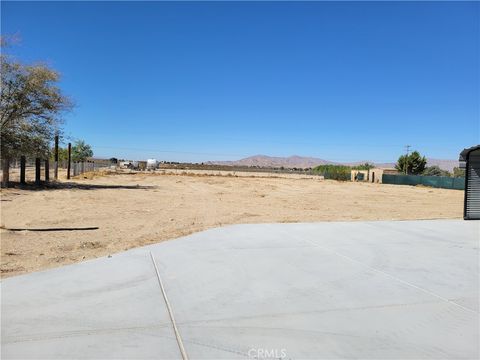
x,y
472,196
433,181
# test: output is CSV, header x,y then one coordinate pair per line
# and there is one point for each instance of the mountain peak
x,y
297,161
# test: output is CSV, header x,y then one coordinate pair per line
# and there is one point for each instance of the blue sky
x,y
223,80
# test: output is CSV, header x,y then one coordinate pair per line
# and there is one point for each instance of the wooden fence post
x,y
37,171
6,172
47,171
23,164
55,165
69,159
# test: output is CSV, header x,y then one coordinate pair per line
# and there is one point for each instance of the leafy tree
x,y
334,172
81,151
30,106
113,160
366,166
62,154
435,171
457,172
413,164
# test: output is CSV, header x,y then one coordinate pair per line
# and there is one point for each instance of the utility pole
x,y
407,149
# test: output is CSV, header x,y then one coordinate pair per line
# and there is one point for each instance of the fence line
x,y
35,170
444,182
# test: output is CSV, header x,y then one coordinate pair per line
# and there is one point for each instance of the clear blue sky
x,y
218,80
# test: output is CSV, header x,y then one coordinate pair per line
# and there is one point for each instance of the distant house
x,y
359,175
372,175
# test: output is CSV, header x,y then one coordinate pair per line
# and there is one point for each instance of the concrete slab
x,y
325,290
106,308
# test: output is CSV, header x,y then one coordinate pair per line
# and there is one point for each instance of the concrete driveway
x,y
385,290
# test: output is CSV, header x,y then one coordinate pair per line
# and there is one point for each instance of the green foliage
x,y
413,164
334,172
366,166
113,160
340,172
81,151
62,154
435,171
30,105
457,172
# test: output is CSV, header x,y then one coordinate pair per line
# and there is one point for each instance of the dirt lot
x,y
137,209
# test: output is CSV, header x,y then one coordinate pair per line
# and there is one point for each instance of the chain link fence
x,y
46,170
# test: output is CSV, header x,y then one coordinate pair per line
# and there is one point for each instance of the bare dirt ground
x,y
132,210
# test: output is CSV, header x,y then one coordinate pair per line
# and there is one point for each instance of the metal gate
x,y
472,189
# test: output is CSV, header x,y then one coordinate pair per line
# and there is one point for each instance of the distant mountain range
x,y
443,164
307,162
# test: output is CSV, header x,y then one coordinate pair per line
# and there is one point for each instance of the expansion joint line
x,y
170,312
392,277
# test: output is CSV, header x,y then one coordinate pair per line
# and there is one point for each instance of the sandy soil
x,y
166,206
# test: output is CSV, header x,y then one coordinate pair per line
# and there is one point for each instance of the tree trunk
x,y
6,172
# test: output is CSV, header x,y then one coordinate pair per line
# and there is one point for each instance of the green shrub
x,y
334,172
366,166
457,172
435,171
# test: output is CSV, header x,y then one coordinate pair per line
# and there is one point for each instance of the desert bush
x,y
435,171
457,172
334,172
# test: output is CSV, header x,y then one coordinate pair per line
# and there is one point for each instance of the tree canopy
x,y
365,166
30,108
31,104
81,151
62,154
413,164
